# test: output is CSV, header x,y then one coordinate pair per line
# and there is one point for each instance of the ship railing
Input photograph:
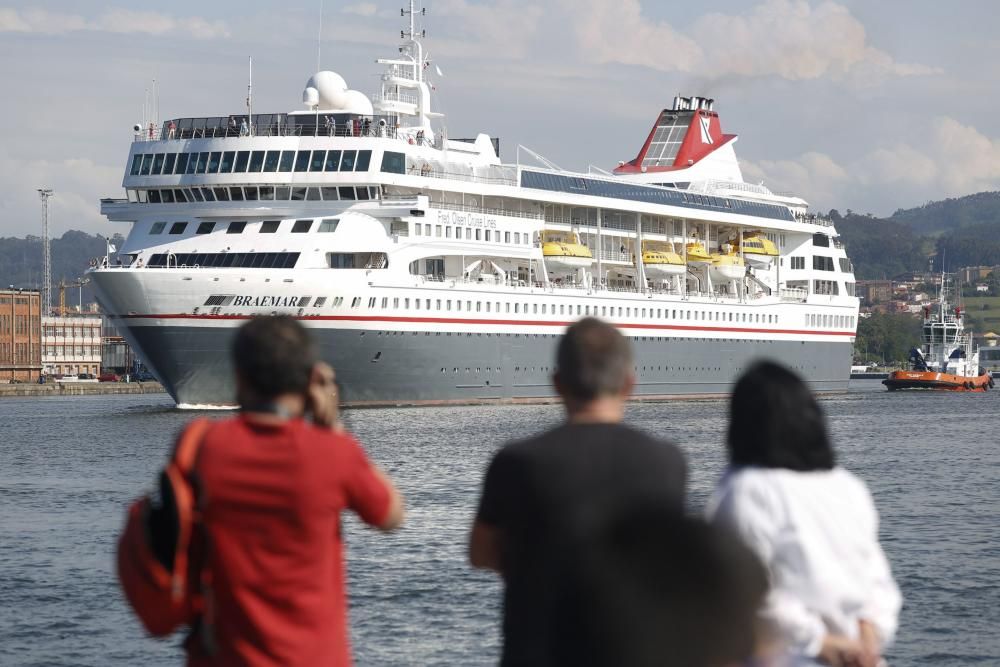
x,y
486,210
793,294
394,97
431,171
266,125
812,219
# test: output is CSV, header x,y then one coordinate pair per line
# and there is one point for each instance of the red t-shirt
x,y
272,497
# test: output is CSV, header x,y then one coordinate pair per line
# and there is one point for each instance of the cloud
x,y
122,21
361,9
784,38
956,160
79,183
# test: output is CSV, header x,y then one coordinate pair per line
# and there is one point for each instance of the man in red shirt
x,y
272,485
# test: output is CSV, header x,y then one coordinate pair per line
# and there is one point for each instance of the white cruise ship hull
x,y
430,357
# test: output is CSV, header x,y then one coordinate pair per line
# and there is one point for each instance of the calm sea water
x,y
69,466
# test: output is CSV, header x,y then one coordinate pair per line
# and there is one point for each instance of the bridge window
x,y
821,240
205,228
302,161
236,193
328,225
318,158
271,161
332,161
157,228
287,161
269,226
213,162
236,227
157,164
242,158
178,227
301,226
348,160
256,162
393,163
136,164
147,162
226,165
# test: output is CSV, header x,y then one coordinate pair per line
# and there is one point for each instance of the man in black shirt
x,y
545,497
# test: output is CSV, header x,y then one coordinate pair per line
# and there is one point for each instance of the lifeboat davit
x,y
564,252
659,260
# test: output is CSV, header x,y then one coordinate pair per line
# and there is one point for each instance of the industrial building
x,y
20,335
71,344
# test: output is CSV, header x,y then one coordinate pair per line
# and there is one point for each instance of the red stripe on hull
x,y
455,320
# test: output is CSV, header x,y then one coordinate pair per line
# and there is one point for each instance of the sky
x,y
869,106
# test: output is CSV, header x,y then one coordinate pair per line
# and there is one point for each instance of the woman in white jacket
x,y
814,526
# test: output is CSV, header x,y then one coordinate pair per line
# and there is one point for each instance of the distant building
x,y
874,291
20,336
974,274
71,345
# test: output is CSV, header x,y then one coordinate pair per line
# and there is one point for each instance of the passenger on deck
x,y
545,497
814,526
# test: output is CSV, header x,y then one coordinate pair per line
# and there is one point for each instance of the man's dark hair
x,y
654,589
775,422
594,359
274,355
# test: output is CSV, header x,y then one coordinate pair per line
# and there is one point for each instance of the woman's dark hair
x,y
775,422
274,355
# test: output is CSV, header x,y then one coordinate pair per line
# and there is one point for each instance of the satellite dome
x,y
357,102
330,87
310,97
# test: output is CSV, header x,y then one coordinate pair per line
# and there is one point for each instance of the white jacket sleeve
x,y
884,602
751,512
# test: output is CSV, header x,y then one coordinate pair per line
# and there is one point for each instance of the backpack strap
x,y
188,445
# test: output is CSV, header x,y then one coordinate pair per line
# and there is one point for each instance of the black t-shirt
x,y
550,493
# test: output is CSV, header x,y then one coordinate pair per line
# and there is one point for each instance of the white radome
x,y
331,88
357,102
310,97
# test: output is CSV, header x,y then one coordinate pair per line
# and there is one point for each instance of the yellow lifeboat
x,y
696,252
564,252
727,265
758,250
660,260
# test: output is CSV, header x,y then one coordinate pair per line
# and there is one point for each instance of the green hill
x,y
21,260
940,217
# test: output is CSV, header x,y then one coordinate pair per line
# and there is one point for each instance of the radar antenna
x,y
413,12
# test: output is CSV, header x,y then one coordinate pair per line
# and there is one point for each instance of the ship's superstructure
x,y
430,271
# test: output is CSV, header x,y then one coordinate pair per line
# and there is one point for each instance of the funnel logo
x,y
706,136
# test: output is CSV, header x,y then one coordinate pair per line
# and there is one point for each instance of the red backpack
x,y
161,552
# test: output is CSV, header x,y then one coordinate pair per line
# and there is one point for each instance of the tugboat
x,y
946,360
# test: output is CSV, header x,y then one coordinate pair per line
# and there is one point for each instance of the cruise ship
x,y
430,271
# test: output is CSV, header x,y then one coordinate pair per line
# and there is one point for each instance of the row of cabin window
x,y
480,234
563,309
821,263
829,321
326,226
248,162
225,260
254,193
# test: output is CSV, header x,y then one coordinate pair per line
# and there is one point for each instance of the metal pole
x,y
44,194
600,251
